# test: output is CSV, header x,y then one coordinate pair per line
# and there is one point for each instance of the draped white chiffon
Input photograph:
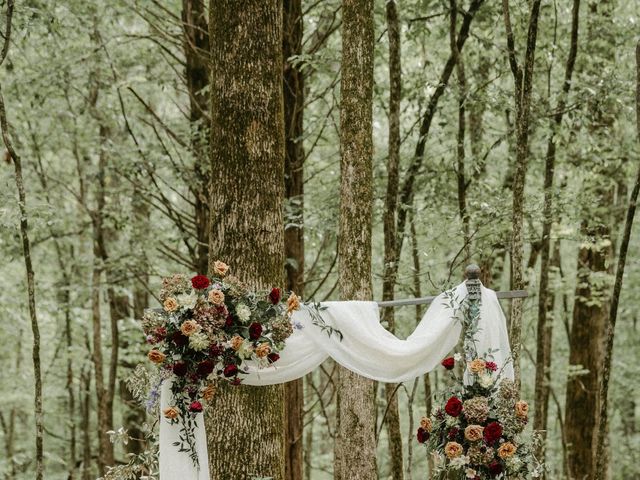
x,y
365,348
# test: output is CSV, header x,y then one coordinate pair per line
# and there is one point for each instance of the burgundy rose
x,y
453,433
195,407
493,366
180,369
423,435
216,350
236,381
205,367
495,468
255,330
179,339
273,357
230,371
492,433
275,296
449,363
229,321
200,282
453,407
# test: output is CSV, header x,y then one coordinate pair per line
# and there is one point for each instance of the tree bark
x,y
601,455
523,84
293,88
245,425
196,50
26,251
545,298
394,435
355,450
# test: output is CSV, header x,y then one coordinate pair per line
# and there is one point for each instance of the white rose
x,y
243,312
486,380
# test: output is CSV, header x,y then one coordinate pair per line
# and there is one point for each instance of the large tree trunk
x,y
592,294
293,87
355,445
546,298
196,50
394,435
523,84
245,425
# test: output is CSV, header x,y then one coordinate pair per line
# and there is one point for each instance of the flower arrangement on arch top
x,y
478,431
208,330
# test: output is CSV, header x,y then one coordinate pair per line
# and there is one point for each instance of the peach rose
x,y
236,342
477,365
473,433
263,350
170,304
220,268
189,327
216,296
209,392
506,450
156,356
522,409
426,424
171,412
293,303
453,449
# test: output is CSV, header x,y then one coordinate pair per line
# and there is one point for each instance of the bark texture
x,y
355,445
293,87
245,425
394,434
546,298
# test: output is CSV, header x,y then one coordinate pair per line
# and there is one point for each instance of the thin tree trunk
x,y
196,50
601,455
245,425
85,414
293,88
355,450
26,251
545,298
394,435
523,81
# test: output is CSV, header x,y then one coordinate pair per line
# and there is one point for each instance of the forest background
x,y
504,133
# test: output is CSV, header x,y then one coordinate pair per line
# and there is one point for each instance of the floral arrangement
x,y
207,331
477,431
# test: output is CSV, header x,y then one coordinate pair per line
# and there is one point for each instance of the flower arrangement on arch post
x,y
208,330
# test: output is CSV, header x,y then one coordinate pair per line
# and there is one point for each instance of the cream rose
x,y
506,450
426,424
170,304
453,449
189,327
171,412
220,268
236,342
293,303
476,366
522,409
263,350
156,356
473,433
216,296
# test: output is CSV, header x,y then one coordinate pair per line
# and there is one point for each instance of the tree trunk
x,y
293,88
355,450
523,81
26,252
196,51
546,298
592,294
601,455
245,425
394,435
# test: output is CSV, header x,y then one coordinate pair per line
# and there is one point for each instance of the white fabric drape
x,y
366,348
